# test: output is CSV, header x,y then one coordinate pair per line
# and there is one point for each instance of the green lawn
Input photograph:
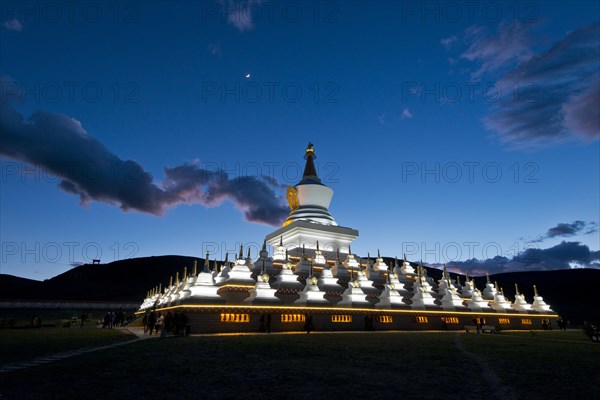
x,y
371,365
26,344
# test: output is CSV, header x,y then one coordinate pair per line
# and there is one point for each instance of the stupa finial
x,y
535,290
195,267
241,251
378,255
487,277
517,289
215,265
206,262
317,245
184,273
248,256
281,241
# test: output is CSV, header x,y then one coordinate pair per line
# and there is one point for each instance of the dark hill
x,y
124,280
572,293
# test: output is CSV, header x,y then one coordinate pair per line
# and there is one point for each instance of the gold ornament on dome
x,y
292,198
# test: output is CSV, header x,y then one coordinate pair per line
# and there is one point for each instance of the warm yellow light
x,y
341,318
309,309
230,317
503,321
293,318
525,321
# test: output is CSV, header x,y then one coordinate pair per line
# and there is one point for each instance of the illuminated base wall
x,y
229,319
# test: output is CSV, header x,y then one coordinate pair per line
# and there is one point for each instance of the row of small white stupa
x,y
316,283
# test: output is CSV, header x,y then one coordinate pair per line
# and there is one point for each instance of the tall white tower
x,y
310,221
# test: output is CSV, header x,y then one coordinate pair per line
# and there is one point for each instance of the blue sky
x,y
449,131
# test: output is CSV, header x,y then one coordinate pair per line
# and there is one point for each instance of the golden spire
x,y
184,274
171,281
160,287
535,290
177,278
487,277
517,289
215,265
195,267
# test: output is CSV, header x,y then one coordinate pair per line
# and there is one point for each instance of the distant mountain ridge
x,y
572,293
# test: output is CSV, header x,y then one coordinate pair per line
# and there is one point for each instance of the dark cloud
x,y
562,256
538,98
567,230
552,97
60,145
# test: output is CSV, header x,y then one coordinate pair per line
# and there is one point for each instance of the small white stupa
x,y
204,286
539,304
319,259
490,290
380,265
389,297
223,274
450,300
500,303
422,292
477,302
262,291
444,284
369,271
520,304
327,282
339,271
468,287
311,294
240,274
406,268
354,296
303,266
286,280
279,254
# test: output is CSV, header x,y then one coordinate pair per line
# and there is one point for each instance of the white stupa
x,y
310,220
204,287
339,270
369,271
500,303
477,302
380,265
328,282
354,296
520,304
490,290
311,294
262,292
539,304
468,287
451,300
240,274
286,280
444,284
279,253
390,297
422,292
406,268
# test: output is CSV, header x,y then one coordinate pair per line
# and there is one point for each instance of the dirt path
x,y
497,389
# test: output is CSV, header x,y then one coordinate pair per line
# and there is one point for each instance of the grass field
x,y
371,365
26,344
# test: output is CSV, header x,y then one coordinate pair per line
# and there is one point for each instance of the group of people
x,y
111,319
166,323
